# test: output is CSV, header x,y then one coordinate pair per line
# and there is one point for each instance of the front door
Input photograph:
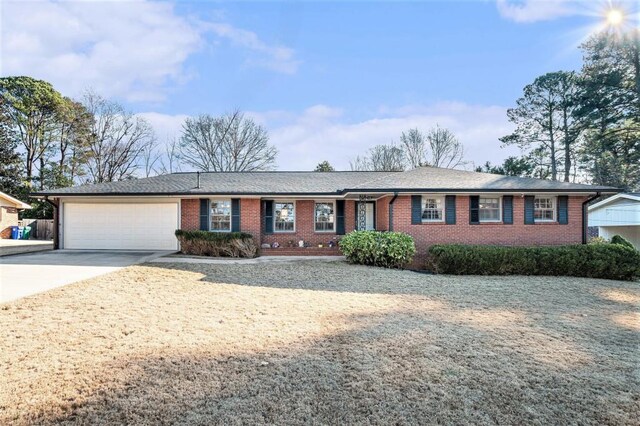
x,y
369,216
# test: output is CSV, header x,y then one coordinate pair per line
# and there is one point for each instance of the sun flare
x,y
615,17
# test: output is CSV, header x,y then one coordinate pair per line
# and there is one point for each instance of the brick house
x,y
9,208
282,209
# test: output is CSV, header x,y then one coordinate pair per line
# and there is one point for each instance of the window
x,y
284,218
220,215
544,209
489,209
324,217
432,209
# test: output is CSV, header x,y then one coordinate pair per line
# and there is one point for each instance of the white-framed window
x,y
220,216
544,209
284,216
432,208
489,209
324,216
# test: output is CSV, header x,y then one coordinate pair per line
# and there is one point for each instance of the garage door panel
x,y
126,226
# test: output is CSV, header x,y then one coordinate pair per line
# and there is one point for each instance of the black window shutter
x,y
204,214
416,209
474,209
528,210
340,217
268,217
450,209
507,209
235,215
563,210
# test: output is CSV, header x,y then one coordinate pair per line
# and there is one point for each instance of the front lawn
x,y
312,342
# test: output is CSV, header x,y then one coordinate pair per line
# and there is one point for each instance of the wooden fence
x,y
41,229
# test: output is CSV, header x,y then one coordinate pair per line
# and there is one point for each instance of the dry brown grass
x,y
321,343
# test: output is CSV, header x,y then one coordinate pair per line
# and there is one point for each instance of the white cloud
x,y
316,135
323,132
536,10
165,126
276,58
135,49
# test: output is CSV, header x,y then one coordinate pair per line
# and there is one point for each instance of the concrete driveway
x,y
27,274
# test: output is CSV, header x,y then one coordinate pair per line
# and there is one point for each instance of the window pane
x,y
220,215
324,217
489,208
284,217
544,208
432,209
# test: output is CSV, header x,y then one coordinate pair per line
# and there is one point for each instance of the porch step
x,y
300,251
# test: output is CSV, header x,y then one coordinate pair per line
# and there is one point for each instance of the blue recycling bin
x,y
20,232
15,233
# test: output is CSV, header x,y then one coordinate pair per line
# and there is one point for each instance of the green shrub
x,y
612,261
386,249
217,244
617,239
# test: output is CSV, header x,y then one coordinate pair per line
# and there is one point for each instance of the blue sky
x,y
328,80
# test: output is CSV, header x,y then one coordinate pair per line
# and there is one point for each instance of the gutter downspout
x,y
585,223
395,195
56,235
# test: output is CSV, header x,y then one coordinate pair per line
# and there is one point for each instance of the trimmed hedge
x,y
617,239
375,248
612,261
217,244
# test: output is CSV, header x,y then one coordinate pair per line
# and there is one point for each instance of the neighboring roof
x,y
633,196
17,203
422,179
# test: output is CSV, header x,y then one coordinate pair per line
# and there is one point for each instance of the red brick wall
x,y
250,217
517,234
425,235
190,214
382,214
304,228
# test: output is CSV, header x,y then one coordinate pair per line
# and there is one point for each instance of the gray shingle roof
x,y
439,179
230,183
315,183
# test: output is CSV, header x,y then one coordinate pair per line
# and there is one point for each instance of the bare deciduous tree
x,y
230,143
415,147
380,158
170,162
117,142
446,150
151,160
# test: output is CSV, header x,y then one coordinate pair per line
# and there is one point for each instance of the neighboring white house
x,y
618,215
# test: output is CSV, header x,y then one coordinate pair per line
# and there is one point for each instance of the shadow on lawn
x,y
399,367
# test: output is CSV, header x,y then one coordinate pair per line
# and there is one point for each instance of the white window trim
x,y
555,209
230,214
499,209
442,203
295,216
332,202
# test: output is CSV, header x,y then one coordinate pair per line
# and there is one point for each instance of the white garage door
x,y
120,226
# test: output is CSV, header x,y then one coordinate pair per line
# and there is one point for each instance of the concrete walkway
x,y
256,260
11,247
27,274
